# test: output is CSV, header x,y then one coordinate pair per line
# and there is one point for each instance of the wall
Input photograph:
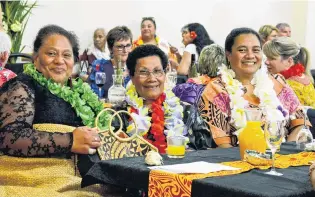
x,y
219,17
310,32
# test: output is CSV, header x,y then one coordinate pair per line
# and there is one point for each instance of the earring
x,y
70,82
228,64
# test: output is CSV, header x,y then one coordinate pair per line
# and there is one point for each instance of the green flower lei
x,y
81,97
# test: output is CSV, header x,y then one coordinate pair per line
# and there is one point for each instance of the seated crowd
x,y
47,113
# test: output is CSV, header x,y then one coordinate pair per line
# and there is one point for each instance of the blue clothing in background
x,y
104,66
126,80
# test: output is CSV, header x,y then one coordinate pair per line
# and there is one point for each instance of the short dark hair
x,y
49,30
116,34
230,39
145,51
149,19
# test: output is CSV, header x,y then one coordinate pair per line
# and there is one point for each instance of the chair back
x,y
17,67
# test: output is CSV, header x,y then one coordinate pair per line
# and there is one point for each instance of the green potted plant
x,y
15,15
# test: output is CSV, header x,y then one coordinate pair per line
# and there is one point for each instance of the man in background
x,y
284,29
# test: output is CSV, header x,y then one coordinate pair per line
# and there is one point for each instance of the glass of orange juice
x,y
176,146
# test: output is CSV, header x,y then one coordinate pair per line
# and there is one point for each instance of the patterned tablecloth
x,y
162,183
134,173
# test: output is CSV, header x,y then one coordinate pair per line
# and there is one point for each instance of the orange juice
x,y
252,138
176,151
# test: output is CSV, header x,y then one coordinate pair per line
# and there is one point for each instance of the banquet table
x,y
134,173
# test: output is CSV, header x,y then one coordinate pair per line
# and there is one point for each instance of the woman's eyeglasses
x,y
146,73
122,47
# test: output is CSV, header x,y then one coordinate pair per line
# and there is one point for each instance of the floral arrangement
x,y
193,34
80,96
295,70
269,101
15,15
166,112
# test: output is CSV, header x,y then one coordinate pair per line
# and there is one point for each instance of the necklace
x,y
295,70
140,41
166,113
263,89
81,97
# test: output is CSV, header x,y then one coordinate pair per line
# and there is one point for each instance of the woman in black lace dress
x,y
36,156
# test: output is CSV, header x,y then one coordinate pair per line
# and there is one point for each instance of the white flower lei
x,y
269,101
173,113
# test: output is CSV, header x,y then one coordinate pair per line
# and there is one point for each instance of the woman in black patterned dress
x,y
36,156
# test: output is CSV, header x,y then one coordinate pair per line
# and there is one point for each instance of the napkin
x,y
194,167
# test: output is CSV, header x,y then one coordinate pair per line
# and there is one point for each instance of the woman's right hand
x,y
173,64
173,50
85,140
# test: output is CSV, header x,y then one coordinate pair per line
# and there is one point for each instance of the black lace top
x,y
23,102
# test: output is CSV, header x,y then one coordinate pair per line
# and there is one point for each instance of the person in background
x,y
268,32
46,118
195,38
286,57
284,29
94,52
211,58
5,47
244,55
305,59
148,36
119,41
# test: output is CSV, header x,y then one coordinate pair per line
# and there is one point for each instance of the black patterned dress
x,y
23,102
35,162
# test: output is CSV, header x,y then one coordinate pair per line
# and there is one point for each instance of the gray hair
x,y
282,46
5,42
100,29
211,58
282,25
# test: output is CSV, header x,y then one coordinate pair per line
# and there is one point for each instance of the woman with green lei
x,y
45,119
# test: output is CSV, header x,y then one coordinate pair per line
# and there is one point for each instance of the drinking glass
x,y
274,133
100,79
176,146
304,136
171,78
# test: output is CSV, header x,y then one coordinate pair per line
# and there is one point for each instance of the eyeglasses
x,y
146,73
122,47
